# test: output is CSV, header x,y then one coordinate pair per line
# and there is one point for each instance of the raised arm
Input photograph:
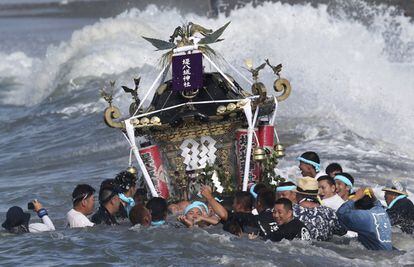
x,y
216,206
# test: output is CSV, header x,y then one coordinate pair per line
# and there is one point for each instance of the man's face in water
x,y
193,214
307,170
287,194
342,189
89,204
281,215
389,197
326,190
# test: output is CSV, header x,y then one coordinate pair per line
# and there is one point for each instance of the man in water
x,y
333,169
289,227
139,214
344,185
240,220
310,164
265,219
327,192
197,214
17,221
400,208
254,191
158,208
286,190
83,200
321,221
365,215
126,183
109,203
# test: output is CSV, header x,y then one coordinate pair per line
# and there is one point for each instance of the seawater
x,y
350,66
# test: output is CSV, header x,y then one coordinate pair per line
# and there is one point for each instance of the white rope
x,y
254,123
248,112
150,90
130,150
239,73
130,131
273,119
221,72
192,103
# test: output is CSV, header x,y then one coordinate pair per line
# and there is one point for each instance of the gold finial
x,y
132,170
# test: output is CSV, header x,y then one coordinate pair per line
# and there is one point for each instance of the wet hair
x,y
267,198
125,180
332,168
259,187
137,214
158,208
287,204
347,175
365,203
244,199
80,192
310,155
328,179
234,227
107,191
140,195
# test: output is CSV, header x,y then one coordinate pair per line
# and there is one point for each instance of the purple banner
x,y
187,72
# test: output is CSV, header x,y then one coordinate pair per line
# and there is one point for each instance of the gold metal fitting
x,y
135,122
155,120
259,154
132,170
241,103
221,109
145,121
279,150
231,107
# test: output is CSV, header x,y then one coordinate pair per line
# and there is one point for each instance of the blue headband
x,y
196,204
254,194
310,162
285,188
158,223
344,180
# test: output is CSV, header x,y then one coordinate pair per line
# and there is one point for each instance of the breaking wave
x,y
352,67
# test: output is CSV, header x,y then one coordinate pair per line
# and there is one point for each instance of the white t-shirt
x,y
333,202
46,226
77,219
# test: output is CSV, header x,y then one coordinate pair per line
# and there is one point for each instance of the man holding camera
x,y
17,221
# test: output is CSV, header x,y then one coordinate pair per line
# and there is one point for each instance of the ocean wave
x,y
341,69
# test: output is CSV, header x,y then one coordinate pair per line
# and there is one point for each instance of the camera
x,y
30,206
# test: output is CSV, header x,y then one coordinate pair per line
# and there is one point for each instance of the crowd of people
x,y
317,206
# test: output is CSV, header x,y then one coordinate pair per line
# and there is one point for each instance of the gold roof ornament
x,y
144,121
280,84
155,120
231,107
221,109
